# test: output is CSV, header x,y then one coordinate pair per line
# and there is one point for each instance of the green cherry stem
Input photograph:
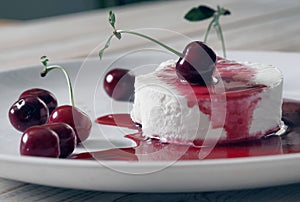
x,y
216,24
219,30
153,40
117,33
44,61
220,11
207,31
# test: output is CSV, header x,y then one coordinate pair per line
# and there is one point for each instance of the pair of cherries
x,y
33,107
196,66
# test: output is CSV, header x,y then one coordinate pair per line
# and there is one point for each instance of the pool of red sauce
x,y
153,149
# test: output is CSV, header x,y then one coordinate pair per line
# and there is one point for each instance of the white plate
x,y
180,176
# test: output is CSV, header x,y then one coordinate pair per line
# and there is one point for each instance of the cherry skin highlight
x,y
67,138
74,117
40,141
28,111
46,96
197,64
119,84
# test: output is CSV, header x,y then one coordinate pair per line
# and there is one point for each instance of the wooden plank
x,y
9,185
77,35
43,193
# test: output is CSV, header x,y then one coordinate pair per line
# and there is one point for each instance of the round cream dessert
x,y
244,103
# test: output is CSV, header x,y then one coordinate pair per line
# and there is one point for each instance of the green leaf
x,y
199,13
44,60
112,18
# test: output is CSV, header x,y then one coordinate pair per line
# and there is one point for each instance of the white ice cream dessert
x,y
245,103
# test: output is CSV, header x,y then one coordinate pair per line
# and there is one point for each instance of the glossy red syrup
x,y
153,150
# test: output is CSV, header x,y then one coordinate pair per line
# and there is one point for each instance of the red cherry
x,y
74,117
40,141
67,137
197,64
27,112
119,84
47,97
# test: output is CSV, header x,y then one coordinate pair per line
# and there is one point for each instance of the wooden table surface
x,y
269,25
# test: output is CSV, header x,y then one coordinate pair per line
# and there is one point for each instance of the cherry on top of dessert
x,y
197,64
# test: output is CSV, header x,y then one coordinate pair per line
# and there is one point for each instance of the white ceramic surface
x,y
156,176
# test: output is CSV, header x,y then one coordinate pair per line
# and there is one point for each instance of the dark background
x,y
31,9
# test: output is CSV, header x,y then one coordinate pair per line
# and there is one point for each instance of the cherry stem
x,y
219,30
44,61
153,40
207,31
117,33
215,22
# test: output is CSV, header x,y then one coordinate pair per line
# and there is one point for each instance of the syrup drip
x,y
153,149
